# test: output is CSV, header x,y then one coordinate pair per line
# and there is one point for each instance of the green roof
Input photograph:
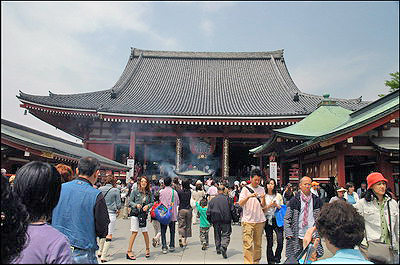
x,y
369,114
319,122
264,146
329,121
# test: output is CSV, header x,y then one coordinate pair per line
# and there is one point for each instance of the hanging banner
x,y
130,163
273,170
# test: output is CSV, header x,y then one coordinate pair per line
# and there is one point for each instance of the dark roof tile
x,y
244,84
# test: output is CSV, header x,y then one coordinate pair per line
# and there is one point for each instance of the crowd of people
x,y
70,217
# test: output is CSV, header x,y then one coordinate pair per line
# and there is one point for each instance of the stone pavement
x,y
191,254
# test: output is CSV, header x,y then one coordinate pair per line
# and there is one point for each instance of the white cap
x,y
199,182
236,183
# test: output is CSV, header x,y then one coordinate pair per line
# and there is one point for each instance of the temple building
x,y
175,111
334,143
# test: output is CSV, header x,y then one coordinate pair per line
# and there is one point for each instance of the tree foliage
x,y
394,83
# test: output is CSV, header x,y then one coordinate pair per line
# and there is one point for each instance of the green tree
x,y
394,83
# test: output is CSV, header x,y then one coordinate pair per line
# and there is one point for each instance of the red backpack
x,y
152,213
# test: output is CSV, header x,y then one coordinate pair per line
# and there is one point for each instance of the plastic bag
x,y
280,214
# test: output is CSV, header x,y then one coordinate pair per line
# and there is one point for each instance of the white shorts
x,y
111,225
135,225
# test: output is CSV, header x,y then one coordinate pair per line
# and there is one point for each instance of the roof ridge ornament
x,y
296,97
113,94
326,101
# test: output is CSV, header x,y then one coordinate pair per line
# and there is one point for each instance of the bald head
x,y
305,185
305,178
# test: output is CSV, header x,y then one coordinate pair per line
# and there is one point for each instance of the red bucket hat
x,y
374,178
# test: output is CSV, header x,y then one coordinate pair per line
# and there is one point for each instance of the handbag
x,y
164,214
295,260
377,251
142,216
280,215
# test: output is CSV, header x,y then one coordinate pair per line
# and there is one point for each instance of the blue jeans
x,y
84,256
171,226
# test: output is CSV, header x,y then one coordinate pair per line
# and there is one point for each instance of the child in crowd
x,y
204,223
154,221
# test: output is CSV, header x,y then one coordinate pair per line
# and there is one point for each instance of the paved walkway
x,y
191,254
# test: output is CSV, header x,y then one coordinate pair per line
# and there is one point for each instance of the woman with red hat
x,y
375,208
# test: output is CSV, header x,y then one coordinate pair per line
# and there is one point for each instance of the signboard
x,y
130,163
273,170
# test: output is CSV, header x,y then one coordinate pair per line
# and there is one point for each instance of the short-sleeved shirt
x,y
45,245
252,210
350,199
212,191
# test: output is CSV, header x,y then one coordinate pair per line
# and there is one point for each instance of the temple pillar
x,y
178,160
225,158
132,144
341,176
144,158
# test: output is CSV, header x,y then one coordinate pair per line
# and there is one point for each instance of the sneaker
x,y
204,247
223,252
164,251
154,242
218,251
171,249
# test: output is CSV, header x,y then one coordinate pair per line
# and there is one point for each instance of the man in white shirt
x,y
252,199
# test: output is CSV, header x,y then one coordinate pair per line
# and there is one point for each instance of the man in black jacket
x,y
219,213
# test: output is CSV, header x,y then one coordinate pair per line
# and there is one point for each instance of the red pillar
x,y
132,144
341,177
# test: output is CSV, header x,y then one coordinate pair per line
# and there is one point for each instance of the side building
x,y
336,145
21,144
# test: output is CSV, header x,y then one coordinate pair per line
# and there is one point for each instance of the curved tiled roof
x,y
208,84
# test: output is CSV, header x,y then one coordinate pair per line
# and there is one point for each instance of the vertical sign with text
x,y
273,170
130,163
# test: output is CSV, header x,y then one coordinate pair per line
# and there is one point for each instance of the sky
x,y
346,49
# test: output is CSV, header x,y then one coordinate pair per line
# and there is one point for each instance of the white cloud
x,y
207,26
333,75
43,48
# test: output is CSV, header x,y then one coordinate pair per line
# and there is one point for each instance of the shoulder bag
x,y
377,251
252,191
164,214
